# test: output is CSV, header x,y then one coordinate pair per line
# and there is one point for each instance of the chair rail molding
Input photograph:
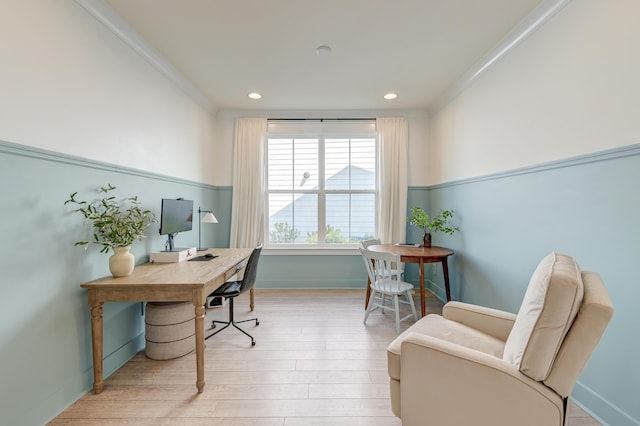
x,y
605,155
11,148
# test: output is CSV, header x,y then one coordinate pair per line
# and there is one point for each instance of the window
x,y
321,184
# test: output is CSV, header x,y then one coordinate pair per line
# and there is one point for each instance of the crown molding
x,y
114,23
110,19
546,10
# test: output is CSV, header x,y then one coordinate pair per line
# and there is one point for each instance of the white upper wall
x,y
571,88
74,87
70,85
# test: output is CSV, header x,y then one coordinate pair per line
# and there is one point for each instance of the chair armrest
x,y
445,383
493,322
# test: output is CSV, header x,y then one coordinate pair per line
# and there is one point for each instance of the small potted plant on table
x,y
116,226
439,223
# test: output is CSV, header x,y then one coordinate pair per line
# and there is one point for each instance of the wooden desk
x,y
420,255
187,281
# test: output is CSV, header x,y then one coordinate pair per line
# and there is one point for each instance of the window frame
x,y
322,192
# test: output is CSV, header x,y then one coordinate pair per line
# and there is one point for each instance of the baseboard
x,y
299,284
77,386
119,357
601,409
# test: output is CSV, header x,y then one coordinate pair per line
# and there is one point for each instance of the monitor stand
x,y
169,246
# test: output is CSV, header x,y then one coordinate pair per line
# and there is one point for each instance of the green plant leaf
x,y
439,223
115,224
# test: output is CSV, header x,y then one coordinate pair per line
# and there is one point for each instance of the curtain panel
x,y
393,139
247,210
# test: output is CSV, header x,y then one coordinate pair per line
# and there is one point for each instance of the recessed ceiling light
x,y
254,95
390,96
323,50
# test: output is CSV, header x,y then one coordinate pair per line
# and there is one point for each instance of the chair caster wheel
x,y
257,323
213,326
253,343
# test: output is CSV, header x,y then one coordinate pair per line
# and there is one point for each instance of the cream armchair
x,y
480,366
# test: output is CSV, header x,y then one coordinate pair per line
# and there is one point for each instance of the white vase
x,y
122,262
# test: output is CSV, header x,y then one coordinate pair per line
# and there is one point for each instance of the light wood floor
x,y
314,363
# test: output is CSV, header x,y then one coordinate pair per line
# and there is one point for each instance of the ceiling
x,y
415,48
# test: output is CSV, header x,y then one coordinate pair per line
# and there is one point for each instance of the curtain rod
x,y
320,119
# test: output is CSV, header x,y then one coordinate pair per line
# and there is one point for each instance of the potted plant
x,y
439,223
116,225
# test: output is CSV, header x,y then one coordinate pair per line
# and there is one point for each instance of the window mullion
x,y
350,189
322,217
294,193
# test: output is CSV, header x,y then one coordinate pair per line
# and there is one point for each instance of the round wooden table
x,y
420,255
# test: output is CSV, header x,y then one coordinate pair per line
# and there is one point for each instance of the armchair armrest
x,y
493,322
444,383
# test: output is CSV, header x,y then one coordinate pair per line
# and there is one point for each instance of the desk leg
x,y
199,320
423,294
96,341
251,299
445,272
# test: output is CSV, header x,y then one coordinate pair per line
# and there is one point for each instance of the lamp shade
x,y
209,218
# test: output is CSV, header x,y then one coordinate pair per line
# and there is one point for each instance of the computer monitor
x,y
175,216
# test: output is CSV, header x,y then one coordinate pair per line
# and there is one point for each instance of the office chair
x,y
232,289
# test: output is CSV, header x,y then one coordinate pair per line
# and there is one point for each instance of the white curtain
x,y
247,210
393,139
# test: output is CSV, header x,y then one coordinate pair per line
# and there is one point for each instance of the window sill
x,y
290,251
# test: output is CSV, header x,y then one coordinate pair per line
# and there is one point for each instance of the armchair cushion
x,y
446,384
446,330
491,321
548,309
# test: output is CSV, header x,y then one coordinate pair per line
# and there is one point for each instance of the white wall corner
x,y
110,19
531,23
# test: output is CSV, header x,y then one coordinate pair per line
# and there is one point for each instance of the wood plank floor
x,y
314,363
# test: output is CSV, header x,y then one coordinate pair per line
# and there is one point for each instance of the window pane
x,y
306,216
292,219
363,164
280,157
363,216
306,164
350,217
290,160
338,218
336,158
281,228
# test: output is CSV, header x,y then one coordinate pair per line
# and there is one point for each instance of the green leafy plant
x,y
333,235
284,233
439,223
115,224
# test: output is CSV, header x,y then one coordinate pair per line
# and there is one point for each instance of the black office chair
x,y
232,289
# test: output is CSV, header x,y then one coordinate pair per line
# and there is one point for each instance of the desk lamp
x,y
208,218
